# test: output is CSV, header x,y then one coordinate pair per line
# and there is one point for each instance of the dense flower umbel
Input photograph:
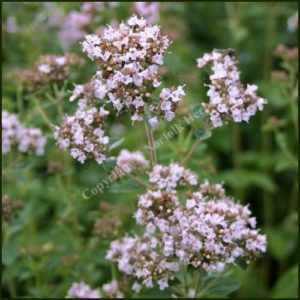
x,y
229,99
128,59
49,68
168,177
155,207
148,10
14,134
208,232
112,290
213,233
82,290
84,135
140,258
131,161
75,24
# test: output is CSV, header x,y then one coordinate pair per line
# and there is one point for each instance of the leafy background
x,y
50,243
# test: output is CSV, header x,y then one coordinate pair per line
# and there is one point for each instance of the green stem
x,y
69,202
58,100
11,284
211,284
20,101
190,152
233,24
294,197
266,138
266,141
139,181
184,277
43,114
198,283
113,271
294,109
151,145
10,280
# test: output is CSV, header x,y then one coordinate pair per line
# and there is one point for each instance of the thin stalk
x,y
266,138
211,284
18,159
58,100
113,271
197,284
184,277
59,105
11,284
20,101
293,103
139,181
178,291
295,109
294,197
233,24
43,114
190,152
10,280
72,209
150,139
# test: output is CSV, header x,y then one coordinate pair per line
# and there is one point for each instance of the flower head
x,y
204,229
131,161
15,134
84,135
82,290
111,290
49,69
229,99
128,58
148,10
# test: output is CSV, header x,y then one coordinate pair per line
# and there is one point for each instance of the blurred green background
x,y
51,243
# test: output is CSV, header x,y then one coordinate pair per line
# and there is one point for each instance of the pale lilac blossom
x,y
82,290
229,99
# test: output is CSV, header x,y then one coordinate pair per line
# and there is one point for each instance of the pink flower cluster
x,y
49,68
169,177
128,59
208,232
131,161
84,135
75,24
293,22
112,290
213,233
15,134
82,290
148,10
140,258
229,99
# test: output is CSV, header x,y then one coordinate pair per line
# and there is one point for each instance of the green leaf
x,y
109,164
218,287
242,264
114,143
281,140
242,179
282,240
202,134
9,254
199,112
287,285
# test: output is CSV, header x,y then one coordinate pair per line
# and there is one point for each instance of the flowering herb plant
x,y
201,227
